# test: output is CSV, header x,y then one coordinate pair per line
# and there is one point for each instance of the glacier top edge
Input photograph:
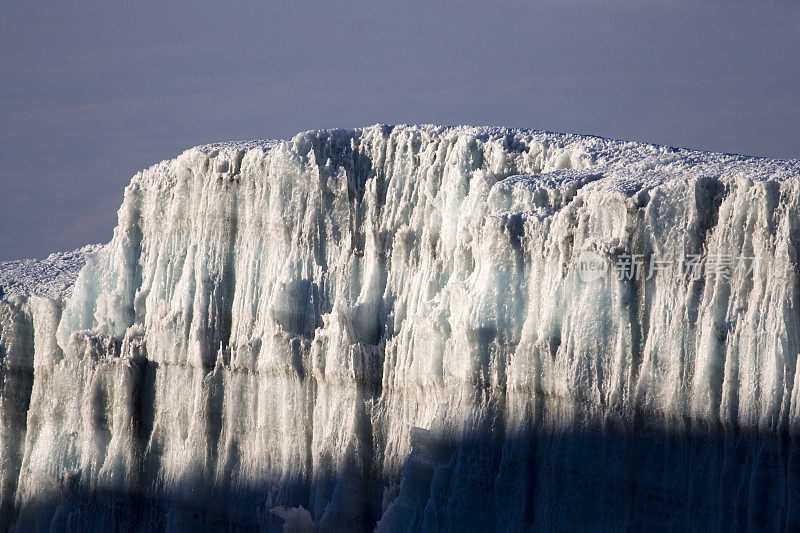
x,y
648,162
480,133
615,166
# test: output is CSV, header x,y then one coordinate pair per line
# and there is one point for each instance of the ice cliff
x,y
389,328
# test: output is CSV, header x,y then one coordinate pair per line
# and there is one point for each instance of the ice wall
x,y
388,327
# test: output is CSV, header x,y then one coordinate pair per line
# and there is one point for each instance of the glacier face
x,y
388,327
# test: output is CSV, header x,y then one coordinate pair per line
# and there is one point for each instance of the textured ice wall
x,y
387,324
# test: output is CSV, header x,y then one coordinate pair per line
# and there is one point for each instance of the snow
x,y
387,326
52,277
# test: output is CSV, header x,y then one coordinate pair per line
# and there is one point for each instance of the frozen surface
x,y
52,277
387,327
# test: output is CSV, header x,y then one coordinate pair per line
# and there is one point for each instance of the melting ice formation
x,y
387,328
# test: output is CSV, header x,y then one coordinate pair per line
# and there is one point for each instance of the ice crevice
x,y
388,328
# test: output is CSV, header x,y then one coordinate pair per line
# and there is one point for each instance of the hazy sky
x,y
91,94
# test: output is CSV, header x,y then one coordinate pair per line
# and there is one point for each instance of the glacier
x,y
387,329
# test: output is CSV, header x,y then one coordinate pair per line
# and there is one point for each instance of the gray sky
x,y
91,94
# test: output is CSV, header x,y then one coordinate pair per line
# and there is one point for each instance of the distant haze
x,y
91,94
